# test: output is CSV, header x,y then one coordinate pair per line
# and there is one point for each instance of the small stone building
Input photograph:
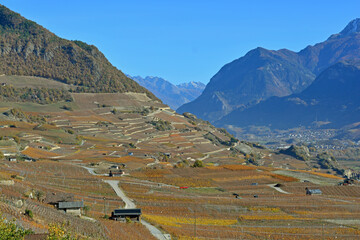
x,y
73,208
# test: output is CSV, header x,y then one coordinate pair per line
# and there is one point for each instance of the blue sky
x,y
188,40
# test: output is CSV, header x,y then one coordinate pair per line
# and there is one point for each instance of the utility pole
x,y
104,207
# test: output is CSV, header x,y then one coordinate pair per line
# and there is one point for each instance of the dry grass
x,y
283,178
127,159
38,153
326,175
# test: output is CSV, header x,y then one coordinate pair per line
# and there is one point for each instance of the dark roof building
x,y
122,214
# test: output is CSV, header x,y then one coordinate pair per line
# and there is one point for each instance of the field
x,y
227,198
214,212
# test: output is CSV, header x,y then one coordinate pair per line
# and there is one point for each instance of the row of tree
x,y
37,95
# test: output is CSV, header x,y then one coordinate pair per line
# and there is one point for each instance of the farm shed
x,y
313,191
116,173
71,207
122,214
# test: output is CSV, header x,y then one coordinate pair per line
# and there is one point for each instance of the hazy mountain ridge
x,y
261,74
170,94
332,98
28,49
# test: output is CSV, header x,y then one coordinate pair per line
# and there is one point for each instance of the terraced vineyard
x,y
227,198
214,212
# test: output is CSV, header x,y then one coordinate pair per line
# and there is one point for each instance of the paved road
x,y
155,232
129,204
278,189
115,185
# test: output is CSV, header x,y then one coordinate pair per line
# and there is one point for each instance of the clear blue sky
x,y
188,40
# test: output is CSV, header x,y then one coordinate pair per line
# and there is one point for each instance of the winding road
x,y
129,204
115,185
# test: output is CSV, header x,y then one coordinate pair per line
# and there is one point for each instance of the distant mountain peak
x,y
192,84
353,27
258,51
170,94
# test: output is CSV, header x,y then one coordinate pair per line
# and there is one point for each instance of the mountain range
x,y
262,74
170,94
331,101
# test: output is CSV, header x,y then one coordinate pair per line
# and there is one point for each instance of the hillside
x,y
173,165
333,98
170,94
262,73
28,49
344,46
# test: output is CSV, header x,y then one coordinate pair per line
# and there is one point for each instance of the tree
x,y
29,213
9,230
198,163
57,232
39,195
